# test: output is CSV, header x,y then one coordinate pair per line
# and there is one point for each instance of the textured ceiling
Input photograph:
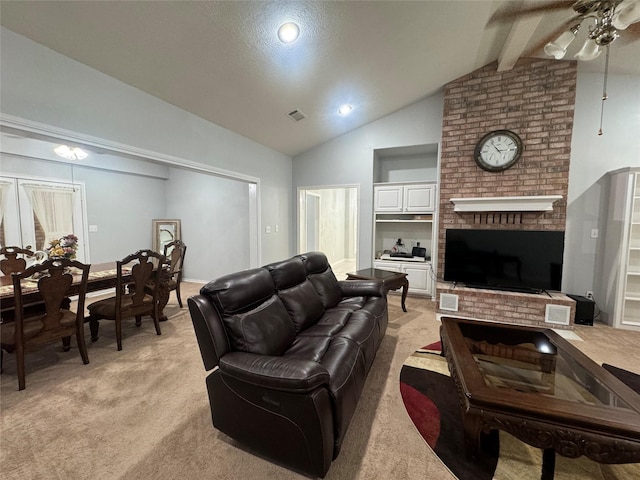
x,y
222,60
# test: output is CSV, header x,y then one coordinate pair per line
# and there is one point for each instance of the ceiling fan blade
x,y
509,13
630,35
626,13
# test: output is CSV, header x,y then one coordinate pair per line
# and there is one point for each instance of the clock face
x,y
498,150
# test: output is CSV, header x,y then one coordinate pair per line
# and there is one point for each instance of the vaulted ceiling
x,y
222,60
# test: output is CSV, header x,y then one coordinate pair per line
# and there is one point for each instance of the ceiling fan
x,y
604,19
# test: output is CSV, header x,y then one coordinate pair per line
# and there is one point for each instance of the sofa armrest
x,y
278,373
362,288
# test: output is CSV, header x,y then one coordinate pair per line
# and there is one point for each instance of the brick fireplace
x,y
535,99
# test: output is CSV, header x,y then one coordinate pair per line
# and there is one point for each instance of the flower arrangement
x,y
66,246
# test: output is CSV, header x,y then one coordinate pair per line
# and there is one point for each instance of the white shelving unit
x,y
631,308
621,261
406,211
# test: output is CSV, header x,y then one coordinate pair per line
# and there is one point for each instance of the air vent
x,y
296,115
558,314
449,301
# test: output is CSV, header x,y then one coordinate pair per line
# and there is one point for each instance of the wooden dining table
x,y
102,276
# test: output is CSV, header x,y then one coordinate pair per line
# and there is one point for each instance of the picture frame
x,y
165,231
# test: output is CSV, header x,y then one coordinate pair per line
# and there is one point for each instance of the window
x,y
36,211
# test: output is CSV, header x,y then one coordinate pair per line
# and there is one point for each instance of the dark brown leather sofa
x,y
293,346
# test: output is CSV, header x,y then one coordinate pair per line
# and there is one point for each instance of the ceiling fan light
x,y
589,51
70,153
626,13
558,48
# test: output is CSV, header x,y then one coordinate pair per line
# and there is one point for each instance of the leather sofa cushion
x,y
347,371
303,304
287,273
265,330
308,348
241,291
273,372
319,272
314,262
335,316
343,359
327,286
351,303
363,329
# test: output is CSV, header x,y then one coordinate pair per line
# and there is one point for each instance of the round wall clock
x,y
498,150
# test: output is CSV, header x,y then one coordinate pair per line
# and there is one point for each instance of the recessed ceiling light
x,y
288,32
70,153
345,109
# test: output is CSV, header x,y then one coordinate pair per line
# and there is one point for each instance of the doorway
x,y
160,187
328,222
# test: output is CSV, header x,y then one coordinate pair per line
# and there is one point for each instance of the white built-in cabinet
x,y
621,259
419,198
419,275
406,211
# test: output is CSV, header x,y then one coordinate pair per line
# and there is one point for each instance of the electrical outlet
x,y
589,295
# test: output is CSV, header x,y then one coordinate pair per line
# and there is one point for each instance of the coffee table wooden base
x,y
551,423
391,280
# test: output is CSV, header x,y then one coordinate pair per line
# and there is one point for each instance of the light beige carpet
x,y
143,412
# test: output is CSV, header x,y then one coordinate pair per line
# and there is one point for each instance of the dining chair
x,y
11,263
53,279
134,273
174,253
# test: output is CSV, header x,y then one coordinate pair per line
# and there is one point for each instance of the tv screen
x,y
520,260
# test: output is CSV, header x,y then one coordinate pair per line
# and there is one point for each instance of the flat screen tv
x,y
517,260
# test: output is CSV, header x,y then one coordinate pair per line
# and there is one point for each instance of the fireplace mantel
x,y
534,203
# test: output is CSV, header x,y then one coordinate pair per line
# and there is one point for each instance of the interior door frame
x,y
301,213
317,214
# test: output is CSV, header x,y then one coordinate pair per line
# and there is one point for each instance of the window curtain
x,y
5,188
53,206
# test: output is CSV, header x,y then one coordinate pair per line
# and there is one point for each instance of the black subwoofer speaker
x,y
585,310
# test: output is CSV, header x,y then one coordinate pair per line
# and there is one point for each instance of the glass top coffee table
x,y
535,385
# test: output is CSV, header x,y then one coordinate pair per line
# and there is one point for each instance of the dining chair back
x,y
175,253
11,262
132,299
53,279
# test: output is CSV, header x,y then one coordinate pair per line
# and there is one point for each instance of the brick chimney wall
x,y
536,99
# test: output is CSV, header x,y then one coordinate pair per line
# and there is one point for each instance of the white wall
x,y
217,239
591,157
348,160
121,204
38,84
41,85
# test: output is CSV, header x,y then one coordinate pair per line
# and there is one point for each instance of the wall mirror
x,y
165,232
